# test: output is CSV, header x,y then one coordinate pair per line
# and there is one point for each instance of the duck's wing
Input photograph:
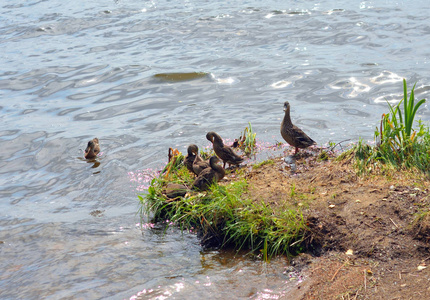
x,y
188,162
231,155
204,180
199,166
301,137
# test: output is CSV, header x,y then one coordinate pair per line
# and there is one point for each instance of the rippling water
x,y
71,71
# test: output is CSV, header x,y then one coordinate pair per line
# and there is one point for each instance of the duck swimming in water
x,y
189,159
292,134
199,164
209,175
93,148
222,151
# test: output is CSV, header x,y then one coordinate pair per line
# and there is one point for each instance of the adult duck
x,y
189,159
209,175
93,148
222,151
199,164
292,134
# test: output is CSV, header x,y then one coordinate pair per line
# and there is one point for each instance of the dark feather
x,y
209,175
93,148
225,153
292,134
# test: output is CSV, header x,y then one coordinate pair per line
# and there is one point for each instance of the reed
x,y
400,142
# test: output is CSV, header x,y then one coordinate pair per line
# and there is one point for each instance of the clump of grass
x,y
226,213
247,141
398,143
256,226
421,224
263,163
323,156
396,127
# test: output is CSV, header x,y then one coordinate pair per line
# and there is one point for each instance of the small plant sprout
x,y
247,141
293,190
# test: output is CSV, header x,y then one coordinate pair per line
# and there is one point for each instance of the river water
x,y
71,71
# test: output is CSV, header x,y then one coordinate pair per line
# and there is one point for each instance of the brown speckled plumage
x,y
93,148
225,153
173,190
199,164
209,175
292,134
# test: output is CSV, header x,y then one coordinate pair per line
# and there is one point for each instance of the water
x,y
84,69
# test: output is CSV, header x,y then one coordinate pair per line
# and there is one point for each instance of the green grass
x,y
247,140
263,163
396,132
225,212
401,143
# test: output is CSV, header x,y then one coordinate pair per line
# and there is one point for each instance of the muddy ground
x,y
365,241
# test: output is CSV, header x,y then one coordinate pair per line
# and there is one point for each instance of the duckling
x,y
209,175
189,159
93,148
222,151
174,190
199,164
292,134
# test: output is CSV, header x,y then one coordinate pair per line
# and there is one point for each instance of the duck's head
x,y
214,138
286,106
90,146
192,149
210,136
92,149
89,151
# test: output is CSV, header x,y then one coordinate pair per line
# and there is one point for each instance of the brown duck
x,y
199,164
189,159
174,190
93,148
292,134
209,175
222,151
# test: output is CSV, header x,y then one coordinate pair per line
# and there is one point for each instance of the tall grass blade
x,y
397,143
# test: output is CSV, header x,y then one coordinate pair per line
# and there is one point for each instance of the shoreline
x,y
356,227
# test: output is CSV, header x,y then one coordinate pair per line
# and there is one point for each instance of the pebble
x,y
291,161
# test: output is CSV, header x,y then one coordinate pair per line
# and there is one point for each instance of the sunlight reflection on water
x,y
75,70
